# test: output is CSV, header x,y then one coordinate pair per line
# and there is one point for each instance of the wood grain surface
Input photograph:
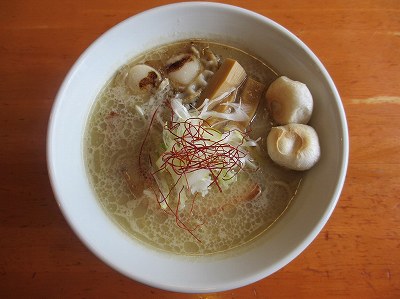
x,y
357,254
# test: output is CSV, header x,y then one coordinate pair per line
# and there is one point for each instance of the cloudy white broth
x,y
179,170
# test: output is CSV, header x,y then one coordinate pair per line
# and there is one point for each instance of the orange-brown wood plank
x,y
357,254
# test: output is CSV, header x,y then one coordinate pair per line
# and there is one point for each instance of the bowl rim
x,y
244,280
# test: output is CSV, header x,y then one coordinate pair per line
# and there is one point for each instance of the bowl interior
x,y
258,35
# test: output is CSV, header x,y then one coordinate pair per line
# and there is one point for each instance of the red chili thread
x,y
145,138
175,213
194,150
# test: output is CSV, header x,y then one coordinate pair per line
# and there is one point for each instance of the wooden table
x,y
357,254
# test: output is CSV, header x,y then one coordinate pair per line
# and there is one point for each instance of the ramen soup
x,y
175,149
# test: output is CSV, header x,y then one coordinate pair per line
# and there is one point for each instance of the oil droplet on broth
x,y
230,210
141,209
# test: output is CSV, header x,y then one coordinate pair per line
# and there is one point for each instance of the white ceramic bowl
x,y
302,222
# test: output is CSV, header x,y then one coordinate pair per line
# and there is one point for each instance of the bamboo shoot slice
x,y
228,77
250,98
